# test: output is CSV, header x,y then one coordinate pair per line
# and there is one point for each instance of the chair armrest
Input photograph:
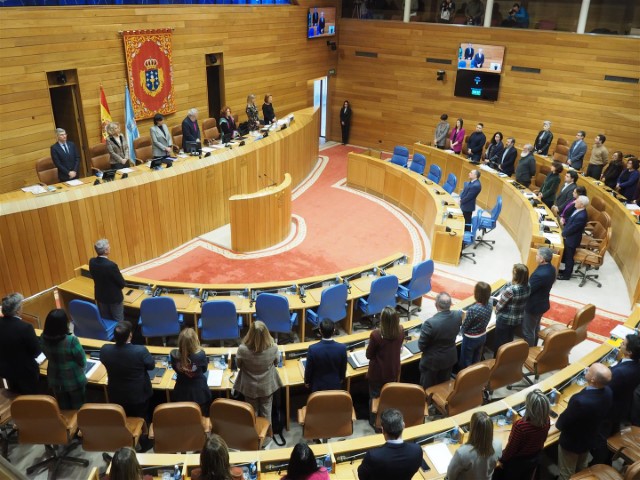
x,y
302,413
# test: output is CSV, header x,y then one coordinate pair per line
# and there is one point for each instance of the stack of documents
x,y
440,456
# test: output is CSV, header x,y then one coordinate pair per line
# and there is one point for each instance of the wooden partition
x,y
262,219
44,238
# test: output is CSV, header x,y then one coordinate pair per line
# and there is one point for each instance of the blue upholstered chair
x,y
486,224
418,163
333,305
273,310
435,173
450,184
400,156
469,238
219,321
382,294
88,323
159,317
419,285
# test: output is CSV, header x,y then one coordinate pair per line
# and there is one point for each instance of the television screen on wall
x,y
480,57
321,22
477,85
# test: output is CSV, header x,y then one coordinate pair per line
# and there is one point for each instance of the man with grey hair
x,y
438,342
108,282
190,128
19,348
65,157
543,141
395,459
526,168
540,283
572,235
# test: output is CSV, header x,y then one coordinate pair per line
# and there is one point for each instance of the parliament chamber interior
x,y
294,223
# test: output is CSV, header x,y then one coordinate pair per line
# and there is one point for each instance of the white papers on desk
x,y
207,149
214,377
405,353
502,175
554,238
360,358
35,189
95,364
540,210
549,223
440,456
73,183
487,168
529,195
630,206
620,331
454,211
41,358
126,170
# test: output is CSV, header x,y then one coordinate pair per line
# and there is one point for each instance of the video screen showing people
x,y
480,57
321,22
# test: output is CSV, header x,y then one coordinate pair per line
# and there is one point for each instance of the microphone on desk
x,y
302,294
428,182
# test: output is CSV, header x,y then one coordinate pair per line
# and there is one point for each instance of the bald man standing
x,y
581,422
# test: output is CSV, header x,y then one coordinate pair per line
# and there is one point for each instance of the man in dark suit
x,y
108,282
468,52
127,365
19,348
577,151
526,168
572,235
508,160
566,193
476,143
395,459
321,24
326,361
190,128
468,196
625,377
582,420
65,157
438,342
478,59
540,283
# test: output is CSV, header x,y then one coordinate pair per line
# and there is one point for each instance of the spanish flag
x,y
105,116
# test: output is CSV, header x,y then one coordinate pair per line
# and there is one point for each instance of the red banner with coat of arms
x,y
150,72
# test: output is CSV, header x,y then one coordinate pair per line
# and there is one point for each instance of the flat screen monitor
x,y
321,22
480,57
477,85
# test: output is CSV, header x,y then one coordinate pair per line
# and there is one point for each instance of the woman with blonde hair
x,y
117,146
476,459
258,378
252,113
383,353
190,364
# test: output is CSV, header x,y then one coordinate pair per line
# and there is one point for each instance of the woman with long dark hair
x,y
303,465
457,136
613,170
125,466
345,121
214,460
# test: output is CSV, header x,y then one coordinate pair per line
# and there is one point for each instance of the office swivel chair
x,y
418,163
400,156
382,294
88,323
219,321
333,305
435,173
450,184
469,238
159,317
487,224
274,311
419,285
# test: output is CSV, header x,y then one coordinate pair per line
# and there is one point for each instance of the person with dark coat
x,y
625,378
540,284
396,459
345,121
190,128
572,235
577,151
470,192
190,363
476,143
508,160
566,192
613,170
65,157
438,342
19,348
526,168
543,140
326,365
127,365
550,185
582,421
268,112
628,180
108,282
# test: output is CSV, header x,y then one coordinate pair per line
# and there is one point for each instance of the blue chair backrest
x,y
418,163
333,303
219,320
451,183
383,293
497,208
470,237
435,173
400,156
421,279
159,317
273,310
87,321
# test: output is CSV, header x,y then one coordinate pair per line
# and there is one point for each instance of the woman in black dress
x,y
268,112
190,364
345,121
613,170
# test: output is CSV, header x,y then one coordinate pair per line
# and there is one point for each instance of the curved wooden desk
x,y
262,219
44,238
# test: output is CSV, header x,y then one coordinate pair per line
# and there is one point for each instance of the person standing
x,y
625,378
526,168
161,141
540,283
442,132
65,157
438,342
396,459
189,362
447,10
566,193
508,160
474,12
65,361
474,326
457,136
577,151
468,196
326,365
345,121
613,170
108,282
19,348
117,146
628,180
253,116
599,157
258,378
127,364
476,143
495,150
572,236
582,420
190,128
550,185
510,305
543,140
268,112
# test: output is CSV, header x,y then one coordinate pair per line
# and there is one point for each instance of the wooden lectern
x,y
262,219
